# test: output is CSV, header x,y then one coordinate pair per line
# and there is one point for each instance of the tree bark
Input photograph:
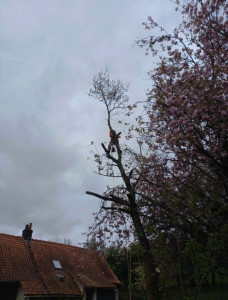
x,y
151,276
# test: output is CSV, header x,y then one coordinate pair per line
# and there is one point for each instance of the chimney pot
x,y
27,232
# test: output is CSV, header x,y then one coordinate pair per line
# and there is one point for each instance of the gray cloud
x,y
49,52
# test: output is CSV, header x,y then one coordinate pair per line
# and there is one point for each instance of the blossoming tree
x,y
177,180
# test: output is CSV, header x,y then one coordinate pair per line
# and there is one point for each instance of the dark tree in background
x,y
172,185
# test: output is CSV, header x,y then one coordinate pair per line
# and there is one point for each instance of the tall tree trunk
x,y
151,276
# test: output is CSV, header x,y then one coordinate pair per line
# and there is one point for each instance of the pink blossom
x,y
173,110
225,84
172,123
195,113
205,118
169,90
190,129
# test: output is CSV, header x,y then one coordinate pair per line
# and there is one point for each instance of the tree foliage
x,y
173,184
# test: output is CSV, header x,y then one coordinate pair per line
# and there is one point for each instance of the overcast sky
x,y
49,52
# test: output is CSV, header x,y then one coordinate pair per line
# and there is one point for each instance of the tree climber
x,y
111,145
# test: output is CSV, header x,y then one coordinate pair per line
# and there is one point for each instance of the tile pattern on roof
x,y
31,264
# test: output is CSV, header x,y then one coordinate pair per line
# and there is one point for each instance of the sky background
x,y
49,52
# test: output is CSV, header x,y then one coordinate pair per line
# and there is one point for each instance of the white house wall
x,y
20,294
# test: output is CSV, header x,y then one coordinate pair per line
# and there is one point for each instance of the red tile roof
x,y
31,264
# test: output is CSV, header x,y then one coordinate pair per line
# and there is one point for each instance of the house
x,y
34,269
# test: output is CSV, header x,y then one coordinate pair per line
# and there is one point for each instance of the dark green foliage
x,y
125,263
205,293
199,265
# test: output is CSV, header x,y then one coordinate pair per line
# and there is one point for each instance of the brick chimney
x,y
27,232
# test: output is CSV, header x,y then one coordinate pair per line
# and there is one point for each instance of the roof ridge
x,y
6,234
62,244
49,242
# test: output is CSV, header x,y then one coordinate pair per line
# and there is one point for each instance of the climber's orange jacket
x,y
111,134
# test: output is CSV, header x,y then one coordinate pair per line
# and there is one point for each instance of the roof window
x,y
56,264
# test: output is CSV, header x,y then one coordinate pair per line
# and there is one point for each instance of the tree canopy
x,y
173,184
